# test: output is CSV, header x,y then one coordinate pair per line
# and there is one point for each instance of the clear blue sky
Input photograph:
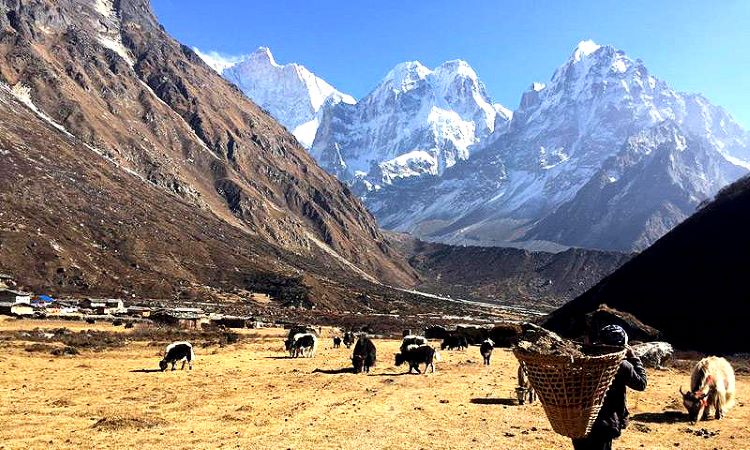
x,y
696,46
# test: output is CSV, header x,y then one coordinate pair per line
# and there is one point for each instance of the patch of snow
x,y
619,65
737,161
23,94
326,248
115,44
109,36
413,163
305,133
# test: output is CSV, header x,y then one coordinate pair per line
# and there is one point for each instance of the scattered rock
x,y
703,432
72,351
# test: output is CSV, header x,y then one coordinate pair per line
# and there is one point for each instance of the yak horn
x,y
681,393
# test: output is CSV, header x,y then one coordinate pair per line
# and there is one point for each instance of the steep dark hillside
x,y
200,184
692,284
538,280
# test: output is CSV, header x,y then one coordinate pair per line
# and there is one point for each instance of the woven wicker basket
x,y
571,389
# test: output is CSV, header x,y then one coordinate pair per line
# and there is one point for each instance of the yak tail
x,y
192,355
437,356
315,346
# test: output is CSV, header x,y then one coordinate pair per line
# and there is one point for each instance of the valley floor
x,y
249,395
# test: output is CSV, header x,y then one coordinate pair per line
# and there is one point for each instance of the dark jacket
x,y
613,417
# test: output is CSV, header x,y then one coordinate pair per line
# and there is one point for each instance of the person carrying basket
x,y
613,416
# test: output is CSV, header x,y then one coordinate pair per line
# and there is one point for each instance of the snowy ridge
x,y
290,92
570,166
417,121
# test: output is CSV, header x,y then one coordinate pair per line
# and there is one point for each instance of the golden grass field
x,y
249,395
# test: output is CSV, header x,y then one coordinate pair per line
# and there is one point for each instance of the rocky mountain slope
x,y
540,281
292,94
604,156
691,284
130,167
417,121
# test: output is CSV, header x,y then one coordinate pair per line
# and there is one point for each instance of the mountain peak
x,y
405,74
263,54
458,67
585,48
290,92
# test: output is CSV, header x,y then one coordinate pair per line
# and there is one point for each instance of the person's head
x,y
613,335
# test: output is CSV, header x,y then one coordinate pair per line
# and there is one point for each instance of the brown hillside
x,y
169,175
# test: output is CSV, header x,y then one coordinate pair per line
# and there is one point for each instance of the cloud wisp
x,y
218,61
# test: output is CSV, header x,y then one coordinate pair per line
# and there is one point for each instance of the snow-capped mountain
x,y
292,94
604,155
417,121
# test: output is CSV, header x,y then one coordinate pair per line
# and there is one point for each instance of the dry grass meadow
x,y
249,395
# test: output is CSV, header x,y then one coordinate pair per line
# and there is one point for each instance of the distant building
x,y
141,311
186,318
104,306
9,295
62,308
233,321
16,309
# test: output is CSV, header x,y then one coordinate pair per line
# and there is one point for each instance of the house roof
x,y
12,292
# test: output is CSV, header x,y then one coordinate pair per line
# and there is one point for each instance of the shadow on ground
x,y
494,401
334,371
662,417
145,370
399,374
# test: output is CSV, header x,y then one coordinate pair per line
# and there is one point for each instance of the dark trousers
x,y
593,442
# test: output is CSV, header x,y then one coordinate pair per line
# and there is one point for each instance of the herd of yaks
x,y
712,382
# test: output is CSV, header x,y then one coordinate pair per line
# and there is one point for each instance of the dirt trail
x,y
248,395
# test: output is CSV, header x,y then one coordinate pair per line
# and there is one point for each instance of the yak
x,y
364,355
711,387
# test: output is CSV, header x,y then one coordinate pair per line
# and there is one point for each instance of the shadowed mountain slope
x,y
691,284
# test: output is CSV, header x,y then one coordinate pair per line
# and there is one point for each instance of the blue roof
x,y
46,298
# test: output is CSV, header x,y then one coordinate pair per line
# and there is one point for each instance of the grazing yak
x,y
711,386
524,391
416,355
654,354
304,344
177,351
364,355
336,342
452,342
412,341
295,332
348,339
486,350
